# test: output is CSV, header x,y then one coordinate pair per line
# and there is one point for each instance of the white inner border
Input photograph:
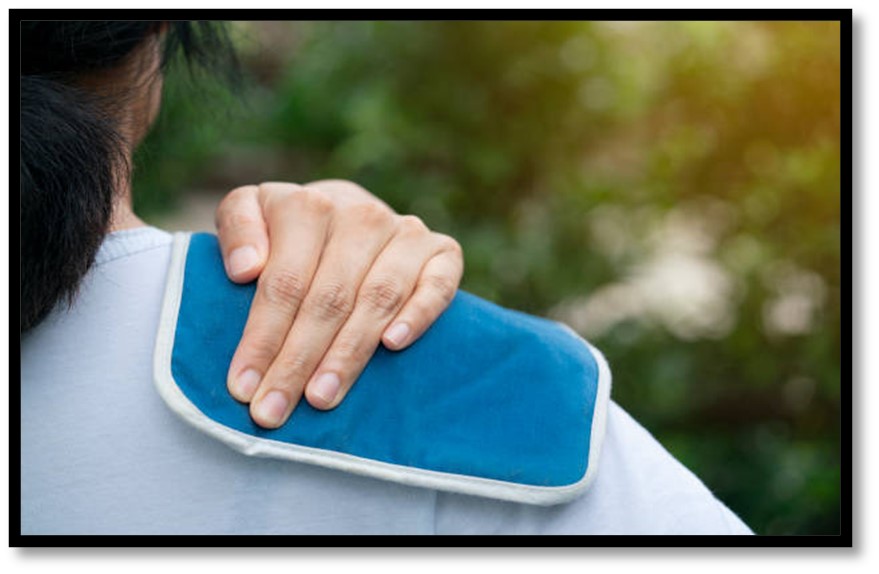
x,y
254,446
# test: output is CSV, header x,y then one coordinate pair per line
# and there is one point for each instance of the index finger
x,y
243,234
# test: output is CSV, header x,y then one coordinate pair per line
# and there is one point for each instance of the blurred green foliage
x,y
671,190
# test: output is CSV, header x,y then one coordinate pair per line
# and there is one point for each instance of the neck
x,y
123,216
134,124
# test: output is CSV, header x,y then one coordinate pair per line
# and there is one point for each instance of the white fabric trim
x,y
254,446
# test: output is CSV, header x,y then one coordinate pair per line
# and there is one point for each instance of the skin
x,y
338,272
350,271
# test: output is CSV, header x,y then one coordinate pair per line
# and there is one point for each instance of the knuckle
x,y
294,363
332,301
260,349
419,310
239,193
227,205
314,201
383,295
278,195
449,244
412,224
372,215
283,288
335,185
347,349
278,188
235,220
442,285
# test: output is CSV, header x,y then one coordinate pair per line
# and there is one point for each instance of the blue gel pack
x,y
489,402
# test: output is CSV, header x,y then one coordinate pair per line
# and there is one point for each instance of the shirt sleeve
x,y
640,488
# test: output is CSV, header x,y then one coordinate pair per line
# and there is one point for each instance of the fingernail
x,y
326,387
397,334
246,384
272,408
242,260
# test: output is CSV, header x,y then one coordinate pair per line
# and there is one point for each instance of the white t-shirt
x,y
101,453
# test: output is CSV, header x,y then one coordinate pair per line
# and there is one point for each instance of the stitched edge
x,y
254,446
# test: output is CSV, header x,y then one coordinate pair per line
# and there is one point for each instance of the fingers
x,y
383,293
339,273
299,224
242,232
356,239
435,290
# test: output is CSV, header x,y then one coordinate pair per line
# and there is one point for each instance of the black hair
x,y
72,156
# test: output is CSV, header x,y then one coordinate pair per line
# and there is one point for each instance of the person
x,y
344,236
102,454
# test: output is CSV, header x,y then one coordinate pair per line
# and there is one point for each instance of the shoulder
x,y
489,401
651,490
639,489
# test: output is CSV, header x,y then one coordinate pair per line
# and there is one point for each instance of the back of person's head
x,y
78,80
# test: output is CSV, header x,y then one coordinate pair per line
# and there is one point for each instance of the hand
x,y
339,272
